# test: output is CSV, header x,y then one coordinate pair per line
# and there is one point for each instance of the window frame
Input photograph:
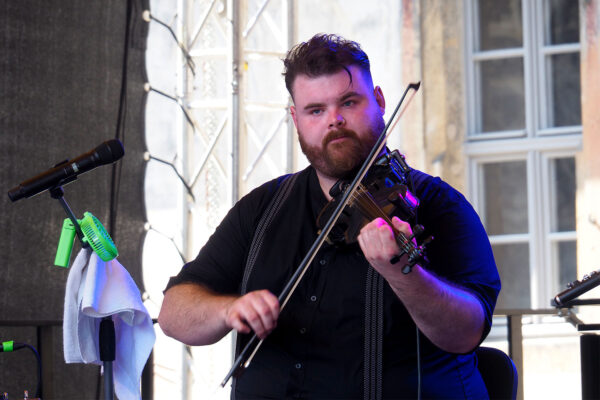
x,y
537,144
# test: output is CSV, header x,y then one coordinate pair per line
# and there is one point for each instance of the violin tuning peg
x,y
418,230
427,241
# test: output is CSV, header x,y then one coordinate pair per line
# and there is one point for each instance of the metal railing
x,y
46,337
514,321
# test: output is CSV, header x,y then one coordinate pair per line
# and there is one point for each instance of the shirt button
x,y
313,298
298,366
303,330
323,262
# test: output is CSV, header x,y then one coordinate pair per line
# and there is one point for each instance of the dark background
x,y
61,76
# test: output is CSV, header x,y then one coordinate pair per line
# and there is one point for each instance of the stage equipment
x,y
94,234
89,230
576,289
10,346
589,343
67,171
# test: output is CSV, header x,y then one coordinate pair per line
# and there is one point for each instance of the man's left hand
x,y
378,244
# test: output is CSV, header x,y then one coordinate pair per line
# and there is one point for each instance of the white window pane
x,y
567,262
513,265
500,24
562,24
565,100
563,183
506,197
502,95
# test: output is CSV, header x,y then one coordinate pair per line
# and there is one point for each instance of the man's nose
x,y
337,120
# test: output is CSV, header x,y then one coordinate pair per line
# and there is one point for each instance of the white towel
x,y
96,289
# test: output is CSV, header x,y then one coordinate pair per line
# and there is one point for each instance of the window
x,y
524,130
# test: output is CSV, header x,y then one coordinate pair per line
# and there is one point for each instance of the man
x,y
414,332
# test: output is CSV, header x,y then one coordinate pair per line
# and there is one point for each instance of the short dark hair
x,y
323,54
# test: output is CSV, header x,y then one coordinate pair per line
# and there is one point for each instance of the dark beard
x,y
338,160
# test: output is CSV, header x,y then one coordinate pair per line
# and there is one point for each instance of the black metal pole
x,y
590,366
107,354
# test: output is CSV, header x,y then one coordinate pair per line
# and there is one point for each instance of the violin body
x,y
385,186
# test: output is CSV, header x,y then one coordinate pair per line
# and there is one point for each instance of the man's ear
x,y
379,98
293,112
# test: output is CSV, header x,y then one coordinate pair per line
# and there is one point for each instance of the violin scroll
x,y
415,252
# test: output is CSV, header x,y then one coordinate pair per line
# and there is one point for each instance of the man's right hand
x,y
195,315
255,311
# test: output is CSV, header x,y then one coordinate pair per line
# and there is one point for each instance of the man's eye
x,y
316,112
348,103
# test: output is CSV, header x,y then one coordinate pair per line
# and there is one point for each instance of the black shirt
x,y
317,349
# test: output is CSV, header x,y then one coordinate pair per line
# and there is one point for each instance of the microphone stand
x,y
107,327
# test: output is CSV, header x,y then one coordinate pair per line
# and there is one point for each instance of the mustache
x,y
339,133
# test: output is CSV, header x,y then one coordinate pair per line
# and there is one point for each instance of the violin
x,y
383,193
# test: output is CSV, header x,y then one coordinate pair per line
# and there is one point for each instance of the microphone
x,y
67,171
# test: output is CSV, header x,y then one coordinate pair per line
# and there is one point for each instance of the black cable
x,y
418,364
12,346
181,178
39,369
412,188
185,113
186,54
120,127
115,183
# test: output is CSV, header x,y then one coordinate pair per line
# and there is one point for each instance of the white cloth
x,y
96,289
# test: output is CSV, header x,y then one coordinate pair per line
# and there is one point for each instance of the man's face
x,y
338,120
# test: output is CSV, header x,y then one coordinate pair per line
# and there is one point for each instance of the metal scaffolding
x,y
233,131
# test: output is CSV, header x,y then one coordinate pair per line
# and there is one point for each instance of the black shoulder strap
x,y
373,354
281,194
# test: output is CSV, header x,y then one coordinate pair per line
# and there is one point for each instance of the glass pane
x,y
513,265
567,262
500,24
566,91
563,182
505,197
502,95
563,22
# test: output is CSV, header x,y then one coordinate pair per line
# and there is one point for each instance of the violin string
x,y
367,205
